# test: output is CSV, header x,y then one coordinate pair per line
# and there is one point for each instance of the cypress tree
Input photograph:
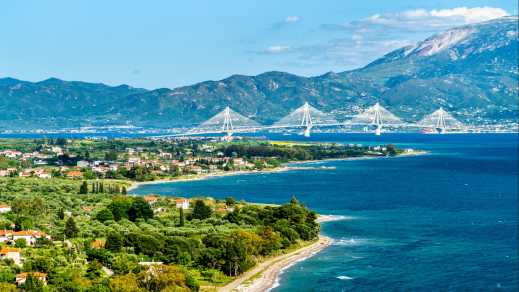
x,y
181,217
71,229
83,189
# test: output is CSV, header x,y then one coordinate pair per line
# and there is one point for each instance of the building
x,y
98,244
182,203
11,253
74,174
151,199
30,236
22,277
5,235
82,164
4,208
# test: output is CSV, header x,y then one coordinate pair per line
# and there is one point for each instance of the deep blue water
x,y
446,221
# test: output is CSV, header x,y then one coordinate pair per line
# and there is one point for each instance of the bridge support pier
x,y
378,130
440,130
307,131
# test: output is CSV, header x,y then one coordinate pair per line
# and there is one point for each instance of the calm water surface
x,y
446,221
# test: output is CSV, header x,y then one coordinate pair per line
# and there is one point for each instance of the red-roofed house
x,y
4,208
182,203
22,277
11,253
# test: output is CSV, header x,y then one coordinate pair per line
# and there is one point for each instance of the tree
x,y
20,243
140,209
61,214
6,287
71,229
120,207
164,278
32,284
83,189
114,242
201,210
181,211
94,270
230,201
111,156
104,215
391,150
22,223
126,283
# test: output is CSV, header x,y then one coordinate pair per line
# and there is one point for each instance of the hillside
x,y
471,70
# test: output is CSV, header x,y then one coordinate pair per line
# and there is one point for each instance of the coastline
x,y
265,276
284,167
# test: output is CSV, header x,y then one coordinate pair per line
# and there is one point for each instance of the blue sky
x,y
155,44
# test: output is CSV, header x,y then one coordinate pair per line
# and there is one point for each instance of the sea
x,y
443,221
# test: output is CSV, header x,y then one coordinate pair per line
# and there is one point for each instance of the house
x,y
151,199
82,164
159,210
74,174
98,244
30,236
7,172
182,203
26,173
166,155
57,150
42,173
22,277
11,153
11,253
4,208
5,235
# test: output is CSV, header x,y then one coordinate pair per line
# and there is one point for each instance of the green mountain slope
x,y
472,71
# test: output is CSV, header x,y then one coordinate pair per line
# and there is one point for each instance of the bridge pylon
x,y
227,121
306,121
306,117
377,116
441,121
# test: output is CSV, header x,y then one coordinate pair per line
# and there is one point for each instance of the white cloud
x,y
277,49
421,19
470,15
292,19
358,42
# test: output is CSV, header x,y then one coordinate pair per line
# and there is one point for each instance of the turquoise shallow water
x,y
446,221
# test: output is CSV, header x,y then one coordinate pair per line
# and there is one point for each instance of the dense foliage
x,y
106,241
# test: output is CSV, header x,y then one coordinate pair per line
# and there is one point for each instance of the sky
x,y
162,43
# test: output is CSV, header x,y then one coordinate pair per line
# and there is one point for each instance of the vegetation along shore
x,y
68,224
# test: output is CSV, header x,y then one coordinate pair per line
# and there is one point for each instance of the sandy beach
x,y
284,167
264,276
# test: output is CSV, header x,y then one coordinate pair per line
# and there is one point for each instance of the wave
x,y
350,241
344,278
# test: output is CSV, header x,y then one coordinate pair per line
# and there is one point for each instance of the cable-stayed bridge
x,y
307,117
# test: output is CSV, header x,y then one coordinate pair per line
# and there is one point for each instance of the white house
x,y
5,235
182,203
4,208
11,253
22,277
30,236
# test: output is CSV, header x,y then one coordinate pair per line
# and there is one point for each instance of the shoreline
x,y
284,167
265,276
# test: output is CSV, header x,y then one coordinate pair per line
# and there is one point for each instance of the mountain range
x,y
472,71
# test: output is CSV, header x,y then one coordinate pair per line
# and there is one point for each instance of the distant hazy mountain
x,y
472,71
